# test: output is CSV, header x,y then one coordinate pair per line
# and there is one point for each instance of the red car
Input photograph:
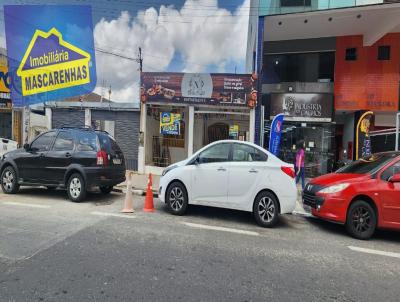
x,y
363,195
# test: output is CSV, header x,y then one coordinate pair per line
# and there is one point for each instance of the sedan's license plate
x,y
117,161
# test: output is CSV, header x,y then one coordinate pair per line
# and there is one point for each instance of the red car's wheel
x,y
361,220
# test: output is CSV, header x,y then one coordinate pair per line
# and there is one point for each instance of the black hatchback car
x,y
73,158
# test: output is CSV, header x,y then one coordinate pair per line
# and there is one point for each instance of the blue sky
x,y
177,35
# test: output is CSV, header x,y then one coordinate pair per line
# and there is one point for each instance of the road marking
x,y
375,252
113,215
217,228
29,205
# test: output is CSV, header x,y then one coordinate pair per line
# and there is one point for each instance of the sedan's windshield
x,y
368,165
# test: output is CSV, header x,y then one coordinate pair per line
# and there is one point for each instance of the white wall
x,y
385,119
37,124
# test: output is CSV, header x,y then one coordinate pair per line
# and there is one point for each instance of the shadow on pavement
x,y
225,215
58,195
338,229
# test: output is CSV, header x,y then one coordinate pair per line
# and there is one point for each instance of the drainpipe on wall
x,y
142,139
397,131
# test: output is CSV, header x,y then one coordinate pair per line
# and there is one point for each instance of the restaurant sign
x,y
307,107
199,88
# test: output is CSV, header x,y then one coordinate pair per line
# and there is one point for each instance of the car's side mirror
x,y
27,147
395,178
197,161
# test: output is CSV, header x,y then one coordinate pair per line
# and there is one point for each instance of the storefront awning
x,y
373,22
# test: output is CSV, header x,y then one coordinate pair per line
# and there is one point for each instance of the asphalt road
x,y
55,250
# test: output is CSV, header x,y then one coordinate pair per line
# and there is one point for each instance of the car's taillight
x,y
102,159
289,171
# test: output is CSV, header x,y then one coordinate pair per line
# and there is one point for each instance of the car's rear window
x,y
368,165
108,144
86,141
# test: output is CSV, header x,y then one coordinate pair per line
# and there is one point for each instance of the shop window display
x,y
319,145
166,141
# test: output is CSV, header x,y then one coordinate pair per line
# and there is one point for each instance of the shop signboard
x,y
305,107
199,88
363,139
4,103
170,123
234,131
4,79
275,134
50,52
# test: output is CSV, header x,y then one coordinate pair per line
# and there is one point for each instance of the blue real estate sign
x,y
50,51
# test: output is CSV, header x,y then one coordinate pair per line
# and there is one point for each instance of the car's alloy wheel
x,y
76,188
361,220
265,209
177,199
9,182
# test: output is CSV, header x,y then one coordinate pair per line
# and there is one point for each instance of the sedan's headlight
x,y
334,188
166,170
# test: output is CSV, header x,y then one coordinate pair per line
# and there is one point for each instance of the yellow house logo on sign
x,y
50,63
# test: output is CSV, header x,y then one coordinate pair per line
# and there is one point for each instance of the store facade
x,y
181,113
353,67
308,118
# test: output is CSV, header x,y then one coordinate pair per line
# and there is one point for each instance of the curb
x,y
136,192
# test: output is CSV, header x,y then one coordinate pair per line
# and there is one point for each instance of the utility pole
x,y
140,60
142,125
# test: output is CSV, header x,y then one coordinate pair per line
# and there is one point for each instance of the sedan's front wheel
x,y
177,198
266,209
361,220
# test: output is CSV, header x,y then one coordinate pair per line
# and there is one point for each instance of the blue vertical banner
x,y
51,53
275,134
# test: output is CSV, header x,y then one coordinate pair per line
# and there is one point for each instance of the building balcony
x,y
278,7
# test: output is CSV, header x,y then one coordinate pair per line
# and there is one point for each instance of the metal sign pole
x,y
397,131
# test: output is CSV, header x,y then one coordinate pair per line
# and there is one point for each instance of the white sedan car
x,y
233,175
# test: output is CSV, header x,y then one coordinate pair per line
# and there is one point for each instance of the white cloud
x,y
200,31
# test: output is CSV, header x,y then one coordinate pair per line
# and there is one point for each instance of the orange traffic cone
x,y
149,204
128,205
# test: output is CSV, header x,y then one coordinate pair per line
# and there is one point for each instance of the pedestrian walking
x,y
299,166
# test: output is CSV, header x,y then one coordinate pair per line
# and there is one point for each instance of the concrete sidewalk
x,y
300,209
139,184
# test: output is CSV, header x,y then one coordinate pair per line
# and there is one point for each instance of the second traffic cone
x,y
149,204
128,204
